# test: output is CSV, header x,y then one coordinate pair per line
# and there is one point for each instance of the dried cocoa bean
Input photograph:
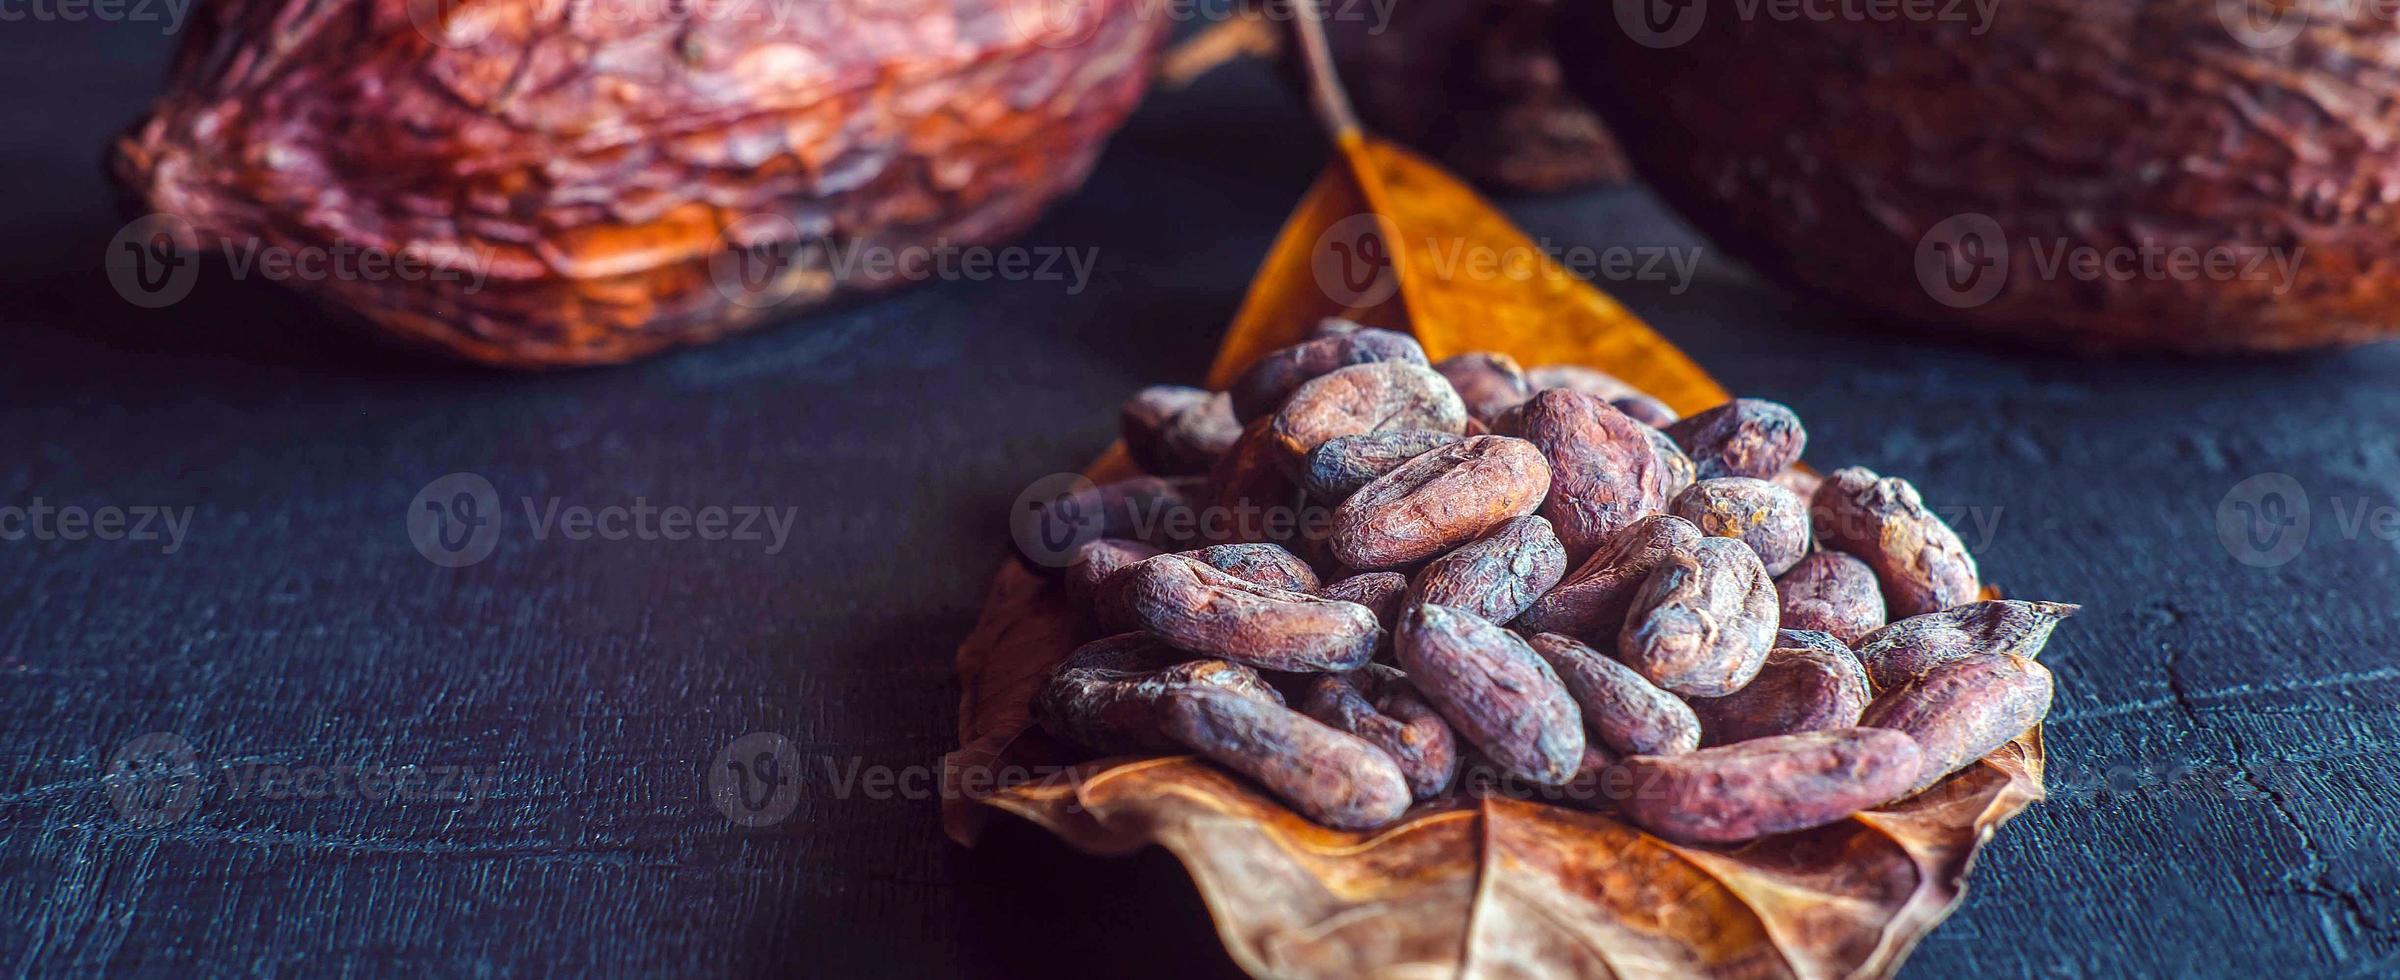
x,y
1107,695
1591,604
1488,383
1833,592
1437,501
1267,384
1703,622
1919,561
1195,607
1381,397
1094,562
1495,576
1628,714
1749,437
1154,510
1495,693
1908,649
1171,430
1575,377
1802,483
1769,785
1964,710
1813,639
1260,564
1250,497
1604,473
1380,592
1377,704
1646,410
1332,777
1757,513
1801,689
1680,473
1345,463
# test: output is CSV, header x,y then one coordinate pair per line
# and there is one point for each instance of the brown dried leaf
x,y
1466,887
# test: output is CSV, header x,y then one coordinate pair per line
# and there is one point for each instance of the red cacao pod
x,y
589,181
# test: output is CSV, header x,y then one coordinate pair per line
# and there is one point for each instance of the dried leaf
x,y
1461,886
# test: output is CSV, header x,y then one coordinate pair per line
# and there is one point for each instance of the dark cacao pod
x,y
586,189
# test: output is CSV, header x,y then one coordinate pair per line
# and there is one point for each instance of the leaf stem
x,y
1325,93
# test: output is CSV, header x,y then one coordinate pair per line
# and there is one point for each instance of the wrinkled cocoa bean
x,y
1195,607
1107,695
1382,397
1833,592
1800,689
1749,437
1757,513
1769,785
1964,710
1260,564
1250,497
1380,592
1592,602
1345,463
1332,777
1646,410
1437,501
1495,576
1377,704
1488,383
1604,473
1267,384
1495,693
1575,377
1919,561
1903,651
1171,430
1679,473
1703,622
1151,509
1802,483
1626,713
1812,639
1094,562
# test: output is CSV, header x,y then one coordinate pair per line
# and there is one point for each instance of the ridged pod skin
x,y
599,188
2115,125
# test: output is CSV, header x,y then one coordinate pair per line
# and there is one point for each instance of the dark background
x,y
2222,753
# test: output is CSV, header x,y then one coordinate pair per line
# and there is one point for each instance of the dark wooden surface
x,y
2222,755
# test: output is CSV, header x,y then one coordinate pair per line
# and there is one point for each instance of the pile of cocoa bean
x,y
1355,575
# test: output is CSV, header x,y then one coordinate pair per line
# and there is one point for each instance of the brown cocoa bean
x,y
1107,695
1195,607
1381,397
1375,703
1749,437
1766,517
1903,651
1260,564
1495,576
1437,501
1331,777
1802,483
1604,473
1800,689
1918,560
1267,384
1495,693
1094,562
1626,713
1646,410
1345,463
1964,710
1592,602
1171,430
1767,786
1833,592
1703,622
1250,497
1380,592
1488,383
1813,639
1679,472
1576,377
1154,510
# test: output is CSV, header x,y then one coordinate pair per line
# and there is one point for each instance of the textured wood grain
x,y
2220,760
